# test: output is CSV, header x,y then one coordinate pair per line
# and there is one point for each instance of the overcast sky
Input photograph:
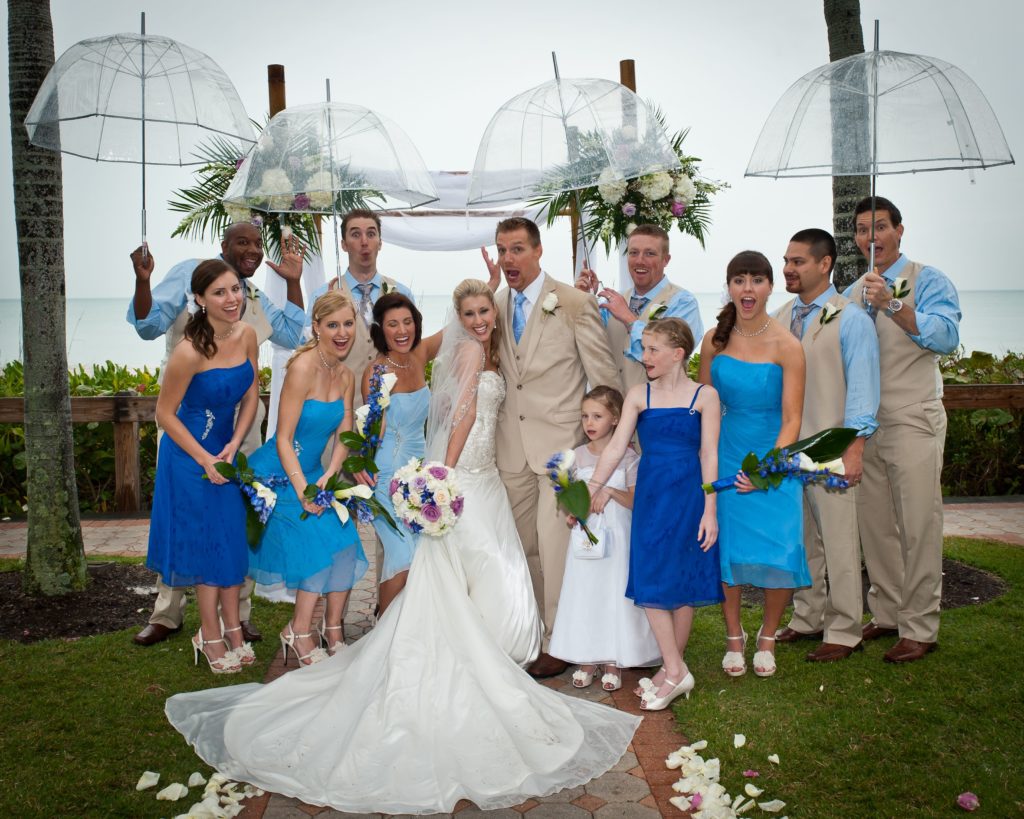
x,y
440,70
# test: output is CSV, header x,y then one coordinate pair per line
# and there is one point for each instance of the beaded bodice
x,y
478,453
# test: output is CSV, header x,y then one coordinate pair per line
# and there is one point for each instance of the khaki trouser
x,y
899,510
832,546
545,538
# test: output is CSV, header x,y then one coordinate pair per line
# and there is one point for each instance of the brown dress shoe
x,y
791,635
907,651
250,632
154,633
830,652
872,631
546,666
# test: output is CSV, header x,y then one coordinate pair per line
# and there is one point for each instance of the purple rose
x,y
968,801
431,513
393,487
301,202
419,482
457,506
629,209
438,472
678,209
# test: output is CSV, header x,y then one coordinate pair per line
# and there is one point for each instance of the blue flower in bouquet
x,y
426,497
365,439
348,501
259,495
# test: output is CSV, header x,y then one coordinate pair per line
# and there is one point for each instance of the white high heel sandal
x,y
736,659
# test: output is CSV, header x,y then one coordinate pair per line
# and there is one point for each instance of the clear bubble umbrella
x,y
880,112
563,135
328,157
136,98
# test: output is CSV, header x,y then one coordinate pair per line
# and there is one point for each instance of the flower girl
x,y
673,562
595,623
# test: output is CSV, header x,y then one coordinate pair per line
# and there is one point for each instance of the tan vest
x,y
632,372
363,351
909,374
825,387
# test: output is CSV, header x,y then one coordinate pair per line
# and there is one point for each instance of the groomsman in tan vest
x,y
842,388
552,344
917,317
363,283
162,311
652,296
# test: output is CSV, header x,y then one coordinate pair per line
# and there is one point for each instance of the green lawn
x,y
81,720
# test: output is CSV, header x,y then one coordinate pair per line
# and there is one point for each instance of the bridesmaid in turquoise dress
x,y
757,366
397,333
319,554
197,527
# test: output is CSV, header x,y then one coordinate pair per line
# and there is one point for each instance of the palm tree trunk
x,y
845,39
55,563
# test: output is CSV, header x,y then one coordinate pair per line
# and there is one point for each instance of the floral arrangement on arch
x,y
612,208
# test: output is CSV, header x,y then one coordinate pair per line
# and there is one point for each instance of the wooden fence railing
x,y
126,412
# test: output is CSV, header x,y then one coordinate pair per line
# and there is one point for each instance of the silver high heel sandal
x,y
315,655
324,642
735,659
764,660
228,664
245,654
650,701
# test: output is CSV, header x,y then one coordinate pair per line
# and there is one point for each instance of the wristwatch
x,y
894,306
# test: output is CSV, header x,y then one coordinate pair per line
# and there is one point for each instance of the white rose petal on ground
x,y
172,793
738,740
147,780
772,807
745,807
196,779
773,758
751,790
680,802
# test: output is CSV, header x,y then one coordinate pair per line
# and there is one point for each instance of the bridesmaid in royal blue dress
x,y
397,333
673,562
319,554
197,527
757,366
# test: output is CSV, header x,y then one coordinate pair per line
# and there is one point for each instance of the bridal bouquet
x,y
348,501
369,422
817,459
426,497
260,495
570,492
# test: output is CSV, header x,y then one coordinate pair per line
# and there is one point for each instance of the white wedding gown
x,y
431,706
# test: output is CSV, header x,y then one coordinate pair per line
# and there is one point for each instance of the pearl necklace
x,y
222,336
323,360
767,324
395,364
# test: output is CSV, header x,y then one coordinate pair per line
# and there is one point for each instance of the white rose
x,y
611,186
550,303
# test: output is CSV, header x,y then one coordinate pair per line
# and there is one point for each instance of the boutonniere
x,y
900,288
828,313
550,303
656,311
386,288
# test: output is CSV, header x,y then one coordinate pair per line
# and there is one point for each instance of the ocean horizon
x,y
98,332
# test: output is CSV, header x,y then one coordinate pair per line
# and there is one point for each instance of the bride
x,y
431,706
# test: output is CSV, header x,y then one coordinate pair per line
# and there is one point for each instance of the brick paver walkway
x,y
638,787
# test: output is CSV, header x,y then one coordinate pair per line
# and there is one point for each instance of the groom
x,y
552,344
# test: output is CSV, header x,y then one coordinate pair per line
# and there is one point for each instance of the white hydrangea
x,y
655,186
684,190
611,185
236,213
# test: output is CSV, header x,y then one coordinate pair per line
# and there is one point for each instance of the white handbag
x,y
579,544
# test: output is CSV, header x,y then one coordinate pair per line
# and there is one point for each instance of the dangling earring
x,y
202,309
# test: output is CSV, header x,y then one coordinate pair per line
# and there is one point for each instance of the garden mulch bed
x,y
121,595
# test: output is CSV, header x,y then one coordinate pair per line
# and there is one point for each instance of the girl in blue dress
x,y
397,333
319,554
197,528
673,562
757,366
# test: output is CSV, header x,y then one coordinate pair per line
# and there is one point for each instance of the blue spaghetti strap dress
x,y
404,439
761,533
318,554
197,528
667,569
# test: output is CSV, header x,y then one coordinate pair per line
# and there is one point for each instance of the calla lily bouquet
x,y
369,420
259,494
570,492
348,501
817,459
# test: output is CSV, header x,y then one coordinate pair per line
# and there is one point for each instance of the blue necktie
x,y
519,317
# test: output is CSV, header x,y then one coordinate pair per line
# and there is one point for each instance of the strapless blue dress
x,y
197,528
761,534
404,438
318,554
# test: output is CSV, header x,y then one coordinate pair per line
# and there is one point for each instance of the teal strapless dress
x,y
761,534
404,438
318,554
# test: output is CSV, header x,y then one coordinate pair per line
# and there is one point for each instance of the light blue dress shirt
x,y
171,296
682,305
936,307
858,345
351,282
